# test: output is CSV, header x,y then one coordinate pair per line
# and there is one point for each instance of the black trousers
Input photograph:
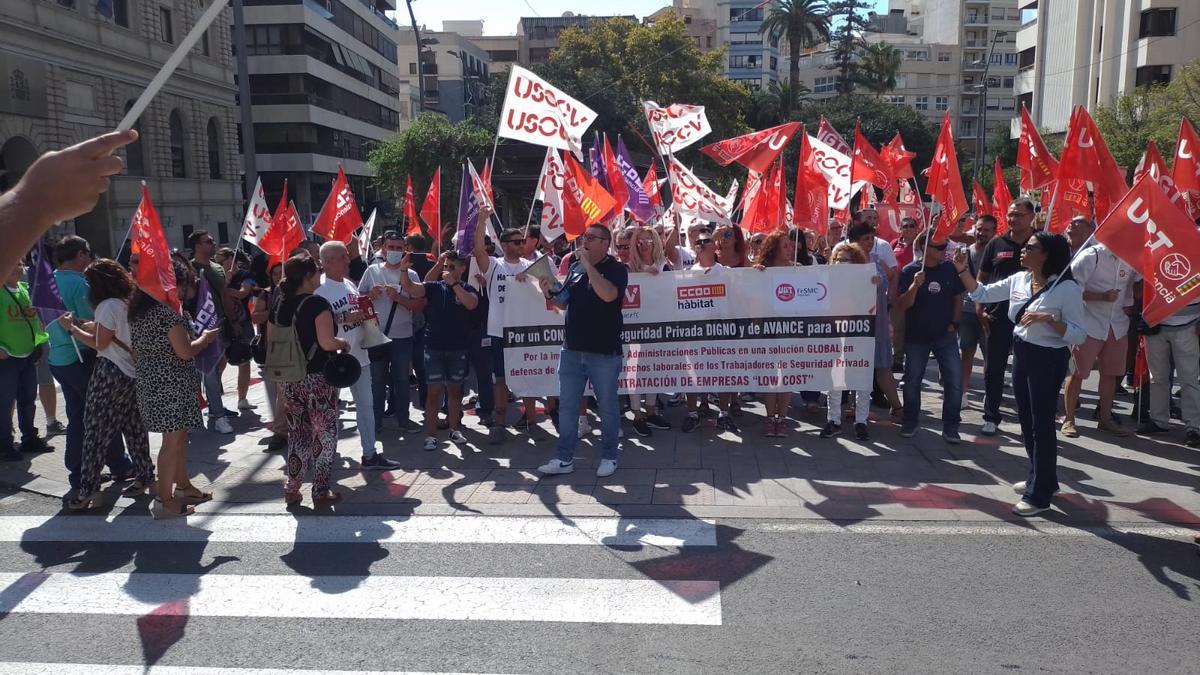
x,y
995,366
1038,374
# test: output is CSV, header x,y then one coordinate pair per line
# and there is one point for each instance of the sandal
x,y
291,498
84,503
136,489
193,498
163,512
327,499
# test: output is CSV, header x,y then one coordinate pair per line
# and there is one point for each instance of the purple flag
x,y
596,157
468,215
639,201
43,289
206,319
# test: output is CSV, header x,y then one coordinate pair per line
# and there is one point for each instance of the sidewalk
x,y
1105,481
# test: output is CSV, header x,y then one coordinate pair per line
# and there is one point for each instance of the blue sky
x,y
500,17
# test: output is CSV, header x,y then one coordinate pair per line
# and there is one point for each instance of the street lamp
x,y
981,133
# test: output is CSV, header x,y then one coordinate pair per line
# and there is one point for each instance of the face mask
x,y
394,257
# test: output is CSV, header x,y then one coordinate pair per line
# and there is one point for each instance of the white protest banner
x,y
258,216
782,329
676,126
691,197
537,112
551,184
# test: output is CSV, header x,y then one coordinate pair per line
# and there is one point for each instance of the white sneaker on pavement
x,y
606,468
222,426
557,466
431,443
989,429
456,436
1019,487
1024,508
584,427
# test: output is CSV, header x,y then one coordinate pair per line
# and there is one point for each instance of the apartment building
x,y
454,71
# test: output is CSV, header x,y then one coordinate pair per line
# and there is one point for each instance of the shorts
x,y
445,367
497,357
1108,356
970,332
43,370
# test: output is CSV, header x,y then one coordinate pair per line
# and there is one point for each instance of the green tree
x,y
878,68
766,108
805,23
1150,114
879,122
431,142
849,21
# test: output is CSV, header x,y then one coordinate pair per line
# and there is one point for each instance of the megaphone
x,y
540,269
372,336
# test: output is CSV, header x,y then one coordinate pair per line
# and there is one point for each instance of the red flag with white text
x,y
1038,166
866,164
755,150
1186,171
1001,199
339,218
431,209
945,183
982,206
155,273
1085,157
811,208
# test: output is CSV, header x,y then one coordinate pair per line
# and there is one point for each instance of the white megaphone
x,y
540,269
372,336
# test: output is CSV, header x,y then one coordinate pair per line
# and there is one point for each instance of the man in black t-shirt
x,y
931,299
592,351
1001,259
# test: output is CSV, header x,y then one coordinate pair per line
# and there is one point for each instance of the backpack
x,y
285,361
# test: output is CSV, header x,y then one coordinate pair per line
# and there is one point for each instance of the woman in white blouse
x,y
1048,314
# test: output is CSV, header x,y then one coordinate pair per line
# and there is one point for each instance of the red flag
x,y
1086,158
779,201
616,182
866,164
1069,199
486,180
1186,172
272,241
585,203
1159,240
1153,164
1141,367
982,206
155,274
339,218
431,210
829,136
898,158
1038,166
650,185
1001,199
756,201
293,233
753,151
945,183
410,209
811,209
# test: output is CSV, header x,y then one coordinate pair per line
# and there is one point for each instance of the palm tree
x,y
766,107
878,68
804,23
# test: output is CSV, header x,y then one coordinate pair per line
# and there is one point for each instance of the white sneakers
x,y
557,466
606,468
456,436
1024,508
430,443
1019,487
222,426
584,427
989,429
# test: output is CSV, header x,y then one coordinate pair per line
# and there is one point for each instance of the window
x,y
745,38
823,85
205,48
737,14
993,82
412,68
896,99
944,57
1157,23
1025,58
214,149
223,232
135,162
916,55
743,61
1151,75
166,31
178,151
1010,59
922,103
120,10
1008,83
774,63
997,58
942,103
751,84
69,4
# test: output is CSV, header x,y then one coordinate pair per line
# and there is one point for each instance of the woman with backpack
x,y
166,382
301,336
111,407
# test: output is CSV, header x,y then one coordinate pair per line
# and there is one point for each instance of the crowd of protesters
x,y
125,362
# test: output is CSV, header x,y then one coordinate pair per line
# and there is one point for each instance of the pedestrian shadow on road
x,y
336,567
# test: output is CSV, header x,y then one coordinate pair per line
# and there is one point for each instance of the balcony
x,y
975,20
971,90
973,66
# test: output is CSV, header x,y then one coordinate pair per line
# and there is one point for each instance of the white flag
x,y
691,197
366,235
676,126
731,196
836,167
258,216
537,112
549,192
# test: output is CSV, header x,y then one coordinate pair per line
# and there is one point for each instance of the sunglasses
x,y
704,242
622,247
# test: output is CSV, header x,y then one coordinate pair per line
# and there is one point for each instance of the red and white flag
x,y
982,206
410,210
945,183
755,150
1186,172
287,232
1086,158
1153,164
551,183
1038,166
339,218
366,234
866,165
811,208
258,216
692,197
1159,240
676,126
155,274
431,209
830,136
537,112
1001,198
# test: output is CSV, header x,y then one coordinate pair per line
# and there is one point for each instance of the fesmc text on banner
x,y
779,329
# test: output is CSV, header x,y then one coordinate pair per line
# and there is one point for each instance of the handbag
x,y
383,352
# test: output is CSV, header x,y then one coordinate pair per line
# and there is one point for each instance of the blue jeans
x,y
916,357
389,379
1038,374
212,393
18,383
364,414
418,366
575,370
73,380
481,363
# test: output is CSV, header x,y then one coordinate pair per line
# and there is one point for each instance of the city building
x,y
752,58
455,71
699,18
67,73
929,72
325,85
539,35
1088,52
502,50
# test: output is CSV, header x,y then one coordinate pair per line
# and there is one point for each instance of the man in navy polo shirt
x,y
592,351
931,297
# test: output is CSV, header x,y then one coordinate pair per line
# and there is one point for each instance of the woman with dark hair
x,y
260,311
1046,306
166,383
804,253
239,290
778,250
111,407
731,246
311,403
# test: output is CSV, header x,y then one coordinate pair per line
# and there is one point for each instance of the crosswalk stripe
x,y
41,668
666,532
623,601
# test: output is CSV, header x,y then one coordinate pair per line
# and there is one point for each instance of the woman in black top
x,y
311,403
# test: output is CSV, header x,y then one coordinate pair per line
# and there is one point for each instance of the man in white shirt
x,y
342,295
395,310
1175,340
497,273
1107,284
